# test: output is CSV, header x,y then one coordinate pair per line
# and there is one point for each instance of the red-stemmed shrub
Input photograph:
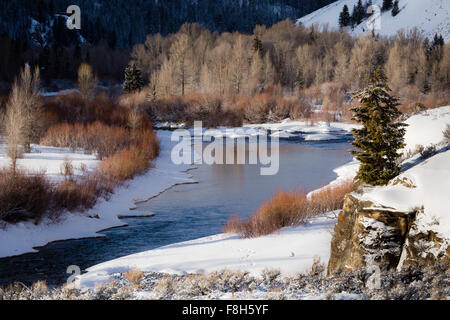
x,y
289,208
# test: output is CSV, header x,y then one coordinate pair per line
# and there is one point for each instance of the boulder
x,y
367,234
424,246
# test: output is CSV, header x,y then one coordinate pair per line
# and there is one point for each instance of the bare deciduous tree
x,y
181,58
165,83
367,54
14,128
23,119
86,81
238,66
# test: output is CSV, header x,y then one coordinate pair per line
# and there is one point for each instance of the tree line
x,y
296,58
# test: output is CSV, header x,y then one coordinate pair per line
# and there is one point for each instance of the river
x,y
185,212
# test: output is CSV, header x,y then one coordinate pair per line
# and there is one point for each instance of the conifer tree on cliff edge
x,y
382,134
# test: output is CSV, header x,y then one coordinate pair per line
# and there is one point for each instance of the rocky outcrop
x,y
368,235
423,245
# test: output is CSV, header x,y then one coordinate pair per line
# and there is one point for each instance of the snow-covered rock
x,y
406,222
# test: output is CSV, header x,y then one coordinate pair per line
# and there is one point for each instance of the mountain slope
x,y
430,16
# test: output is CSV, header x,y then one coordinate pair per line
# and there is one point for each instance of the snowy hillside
x,y
430,16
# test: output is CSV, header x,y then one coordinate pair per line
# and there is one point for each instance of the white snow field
x,y
24,237
429,16
293,249
426,128
49,161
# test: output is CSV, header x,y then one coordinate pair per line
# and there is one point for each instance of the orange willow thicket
x,y
287,208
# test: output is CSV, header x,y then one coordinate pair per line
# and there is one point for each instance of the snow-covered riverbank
x,y
49,161
289,250
293,248
24,237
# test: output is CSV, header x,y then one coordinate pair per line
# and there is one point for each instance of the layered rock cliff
x,y
372,233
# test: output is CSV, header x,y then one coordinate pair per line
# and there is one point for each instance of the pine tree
x,y
344,17
381,136
360,12
353,17
299,80
387,5
257,46
152,94
395,9
133,79
437,41
426,47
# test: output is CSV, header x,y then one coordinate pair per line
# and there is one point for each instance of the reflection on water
x,y
186,211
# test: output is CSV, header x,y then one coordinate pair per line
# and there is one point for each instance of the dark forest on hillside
x,y
34,30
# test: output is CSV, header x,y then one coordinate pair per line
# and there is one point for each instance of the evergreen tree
x,y
152,94
395,9
344,17
437,41
299,80
387,5
257,46
133,79
426,47
360,12
353,17
381,136
435,51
